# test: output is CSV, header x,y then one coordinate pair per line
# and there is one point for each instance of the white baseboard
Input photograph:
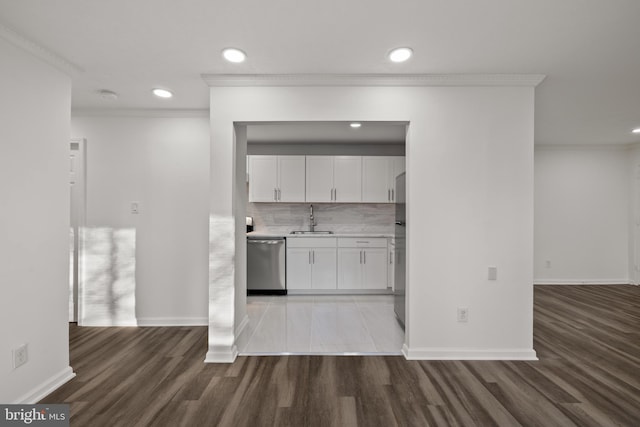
x,y
339,291
47,387
222,355
173,321
468,354
107,323
581,282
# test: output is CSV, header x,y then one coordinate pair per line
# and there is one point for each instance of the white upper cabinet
x,y
379,178
291,178
347,179
319,178
376,171
334,179
276,178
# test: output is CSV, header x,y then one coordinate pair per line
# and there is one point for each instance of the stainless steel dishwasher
x,y
266,266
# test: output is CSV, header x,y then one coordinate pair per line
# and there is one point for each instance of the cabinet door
x,y
291,178
299,268
375,179
397,166
263,177
350,268
375,268
323,268
347,178
319,182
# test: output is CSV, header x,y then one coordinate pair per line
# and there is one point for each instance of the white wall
x,y
34,224
470,205
581,215
634,214
150,268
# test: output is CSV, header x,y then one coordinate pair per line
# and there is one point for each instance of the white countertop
x,y
293,236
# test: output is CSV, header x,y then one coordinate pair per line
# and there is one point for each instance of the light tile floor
x,y
343,324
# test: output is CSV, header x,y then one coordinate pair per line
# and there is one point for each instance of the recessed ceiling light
x,y
636,130
400,54
162,93
232,54
108,94
355,125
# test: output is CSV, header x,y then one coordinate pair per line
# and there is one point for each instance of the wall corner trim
x,y
221,355
257,80
47,387
243,324
437,353
39,51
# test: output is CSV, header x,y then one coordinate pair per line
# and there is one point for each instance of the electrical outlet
x,y
547,264
20,356
135,208
463,314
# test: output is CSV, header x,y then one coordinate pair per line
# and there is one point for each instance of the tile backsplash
x,y
339,218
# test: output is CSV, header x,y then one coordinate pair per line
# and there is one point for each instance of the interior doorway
x,y
77,187
321,321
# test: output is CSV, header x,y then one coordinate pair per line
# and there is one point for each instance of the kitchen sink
x,y
311,232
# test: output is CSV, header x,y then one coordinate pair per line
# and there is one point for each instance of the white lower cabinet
x,y
344,263
311,263
362,263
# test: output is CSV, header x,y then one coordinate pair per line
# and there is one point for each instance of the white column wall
x,y
470,206
35,106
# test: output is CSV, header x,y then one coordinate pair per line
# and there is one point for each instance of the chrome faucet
x,y
312,220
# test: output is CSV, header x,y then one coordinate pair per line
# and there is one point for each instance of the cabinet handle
x,y
388,194
279,194
335,195
309,257
393,195
360,257
313,257
275,194
365,256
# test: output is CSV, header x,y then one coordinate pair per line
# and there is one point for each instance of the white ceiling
x,y
589,49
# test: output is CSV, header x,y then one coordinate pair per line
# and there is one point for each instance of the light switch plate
x,y
493,273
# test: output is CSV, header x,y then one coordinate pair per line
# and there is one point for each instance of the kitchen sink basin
x,y
311,232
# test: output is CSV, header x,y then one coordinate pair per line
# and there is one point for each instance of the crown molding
x,y
583,147
39,51
126,112
253,80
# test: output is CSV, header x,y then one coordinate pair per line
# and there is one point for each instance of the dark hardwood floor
x,y
587,339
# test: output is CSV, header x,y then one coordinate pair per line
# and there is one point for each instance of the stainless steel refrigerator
x,y
400,251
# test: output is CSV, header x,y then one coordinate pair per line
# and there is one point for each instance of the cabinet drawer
x,y
311,242
362,242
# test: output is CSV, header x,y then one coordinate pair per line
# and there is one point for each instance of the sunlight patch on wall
x,y
221,281
109,278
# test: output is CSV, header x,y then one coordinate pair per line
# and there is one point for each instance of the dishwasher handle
x,y
265,242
